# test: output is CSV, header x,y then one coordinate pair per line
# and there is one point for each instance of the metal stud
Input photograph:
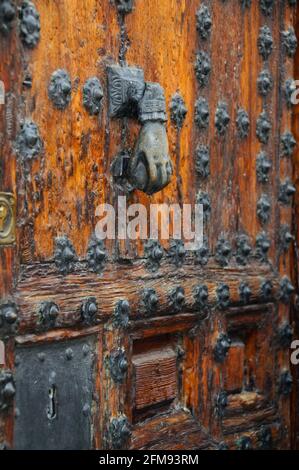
x,y
285,238
92,95
60,88
178,110
177,252
96,255
265,82
242,123
289,89
264,208
8,318
48,312
244,443
202,113
177,299
286,290
202,161
221,348
245,292
118,365
202,68
223,296
266,290
204,199
285,335
28,142
262,247
267,6
290,42
263,127
119,433
7,389
64,255
89,310
124,6
7,16
223,251
285,383
150,300
245,4
201,295
265,42
244,250
154,253
203,22
202,255
121,314
222,118
286,192
263,167
29,24
288,144
221,402
264,438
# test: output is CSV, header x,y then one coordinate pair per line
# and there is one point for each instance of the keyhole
x,y
52,408
3,215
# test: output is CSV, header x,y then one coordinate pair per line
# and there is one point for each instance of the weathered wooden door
x,y
139,343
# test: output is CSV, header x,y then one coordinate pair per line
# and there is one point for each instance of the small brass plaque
x,y
7,219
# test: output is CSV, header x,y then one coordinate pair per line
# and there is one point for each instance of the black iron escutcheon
x,y
202,68
89,310
202,255
244,249
176,252
28,143
64,255
29,24
265,42
265,82
154,253
202,161
7,16
245,292
7,389
285,335
119,432
285,238
262,247
178,110
223,251
177,299
96,255
289,89
242,123
223,296
266,290
287,144
222,118
118,365
92,96
285,383
121,314
60,88
289,41
221,402
150,300
263,127
221,347
263,167
8,318
48,312
202,113
201,296
286,290
264,208
203,22
286,192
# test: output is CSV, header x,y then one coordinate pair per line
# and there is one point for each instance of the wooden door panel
x,y
188,352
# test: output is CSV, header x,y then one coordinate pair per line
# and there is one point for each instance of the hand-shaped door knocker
x,y
150,167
